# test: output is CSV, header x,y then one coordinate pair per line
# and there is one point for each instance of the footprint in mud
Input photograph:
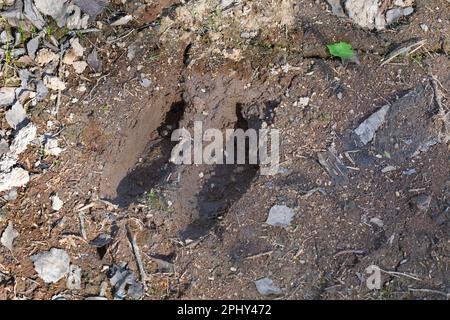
x,y
155,161
201,193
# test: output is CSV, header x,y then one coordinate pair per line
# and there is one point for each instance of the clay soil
x,y
200,228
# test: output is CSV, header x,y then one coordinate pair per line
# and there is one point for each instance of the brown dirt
x,y
209,220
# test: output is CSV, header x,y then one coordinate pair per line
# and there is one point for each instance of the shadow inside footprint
x,y
154,164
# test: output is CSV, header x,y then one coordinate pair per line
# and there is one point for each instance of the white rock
x,y
51,147
122,21
19,145
8,161
16,115
266,288
54,83
7,96
8,236
365,13
45,56
280,216
303,101
78,49
79,66
52,265
23,139
57,203
224,4
18,177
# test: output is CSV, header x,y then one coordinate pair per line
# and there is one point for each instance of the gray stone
x,y
33,46
101,241
367,129
41,91
7,96
52,265
280,216
93,61
266,288
394,14
91,7
25,77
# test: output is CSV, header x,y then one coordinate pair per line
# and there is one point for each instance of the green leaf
x,y
341,50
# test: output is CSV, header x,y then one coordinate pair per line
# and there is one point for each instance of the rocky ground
x,y
92,207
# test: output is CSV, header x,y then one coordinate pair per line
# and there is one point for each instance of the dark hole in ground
x,y
155,161
186,55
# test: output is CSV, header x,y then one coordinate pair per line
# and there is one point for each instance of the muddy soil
x,y
201,228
